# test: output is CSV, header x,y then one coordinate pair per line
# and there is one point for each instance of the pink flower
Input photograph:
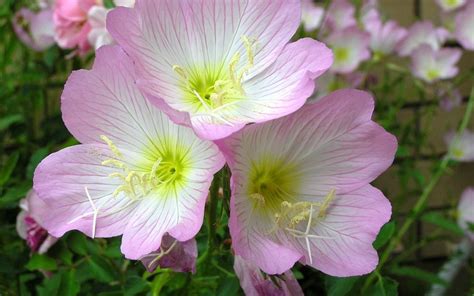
x,y
462,148
450,99
300,187
255,283
465,26
466,212
98,35
29,224
311,15
224,67
450,5
71,25
383,37
173,254
433,65
39,32
136,173
421,33
350,47
340,15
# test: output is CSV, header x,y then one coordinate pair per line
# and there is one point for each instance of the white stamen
x,y
96,211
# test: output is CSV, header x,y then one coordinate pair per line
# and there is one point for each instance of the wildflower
x,y
226,66
464,23
421,33
450,5
254,282
340,15
466,212
71,25
384,37
135,173
431,65
36,30
29,224
462,147
300,187
97,15
350,47
311,15
173,254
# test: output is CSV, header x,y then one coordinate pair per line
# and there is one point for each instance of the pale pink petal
x,y
255,283
61,181
466,212
311,15
464,26
351,225
418,34
340,15
350,47
450,5
39,34
431,65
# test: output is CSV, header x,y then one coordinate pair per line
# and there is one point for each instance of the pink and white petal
x,y
60,181
160,34
250,241
106,101
284,87
207,128
352,222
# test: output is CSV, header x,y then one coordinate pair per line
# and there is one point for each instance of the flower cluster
x,y
191,86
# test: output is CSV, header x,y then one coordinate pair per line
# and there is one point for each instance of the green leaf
x,y
439,220
35,159
339,286
41,262
135,285
384,287
6,121
228,287
417,273
102,270
384,235
13,195
61,284
77,243
8,167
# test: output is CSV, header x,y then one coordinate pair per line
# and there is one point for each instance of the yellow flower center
x,y
210,89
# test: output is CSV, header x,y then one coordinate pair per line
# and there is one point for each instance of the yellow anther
x,y
114,163
181,72
248,46
232,68
326,203
258,197
111,145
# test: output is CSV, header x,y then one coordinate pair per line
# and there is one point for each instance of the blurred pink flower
x,y
36,30
255,283
221,69
466,212
29,221
350,47
301,187
340,15
464,24
311,15
450,100
433,65
463,148
422,33
97,16
450,5
173,254
71,24
135,173
383,37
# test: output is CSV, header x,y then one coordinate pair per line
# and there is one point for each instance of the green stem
x,y
212,215
420,204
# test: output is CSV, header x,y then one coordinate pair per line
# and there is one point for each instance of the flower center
x,y
341,54
210,89
166,171
432,74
